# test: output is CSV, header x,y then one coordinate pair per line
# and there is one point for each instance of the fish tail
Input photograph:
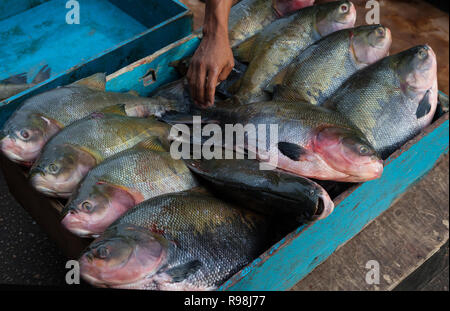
x,y
42,75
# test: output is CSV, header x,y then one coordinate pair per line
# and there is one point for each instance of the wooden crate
x,y
292,258
34,33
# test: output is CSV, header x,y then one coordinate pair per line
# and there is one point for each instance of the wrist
x,y
215,31
216,18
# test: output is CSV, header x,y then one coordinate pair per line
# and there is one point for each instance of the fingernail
x,y
209,103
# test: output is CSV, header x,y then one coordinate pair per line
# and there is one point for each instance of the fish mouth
x,y
93,281
16,158
51,192
101,284
88,277
13,151
325,206
75,227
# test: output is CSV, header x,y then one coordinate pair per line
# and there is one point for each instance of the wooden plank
x,y
291,259
428,275
400,240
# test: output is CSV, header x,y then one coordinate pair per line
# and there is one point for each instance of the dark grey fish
x,y
179,241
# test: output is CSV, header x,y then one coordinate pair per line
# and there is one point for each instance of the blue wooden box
x,y
111,34
292,258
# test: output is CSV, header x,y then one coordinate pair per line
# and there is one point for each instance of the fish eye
x,y
344,8
53,168
24,134
87,206
364,150
103,252
422,54
380,31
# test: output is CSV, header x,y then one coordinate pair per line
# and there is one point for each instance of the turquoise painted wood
x,y
296,255
40,36
152,71
10,8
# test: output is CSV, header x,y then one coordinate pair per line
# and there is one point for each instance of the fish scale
x,y
40,117
295,121
106,134
221,237
247,18
70,103
146,171
274,48
322,68
311,141
375,100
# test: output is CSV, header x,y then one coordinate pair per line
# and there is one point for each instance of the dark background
x,y
443,5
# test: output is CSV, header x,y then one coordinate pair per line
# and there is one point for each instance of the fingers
x,y
203,81
226,72
213,76
213,79
200,85
196,77
190,77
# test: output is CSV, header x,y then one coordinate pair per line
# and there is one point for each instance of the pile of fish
x,y
341,103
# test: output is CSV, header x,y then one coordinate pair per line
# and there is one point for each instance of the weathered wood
x,y
429,273
401,240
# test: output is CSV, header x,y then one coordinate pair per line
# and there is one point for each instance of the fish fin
x,y
127,196
424,106
42,75
244,51
118,109
277,80
95,82
177,118
182,272
51,123
181,65
20,78
177,91
443,102
292,151
152,143
236,74
134,93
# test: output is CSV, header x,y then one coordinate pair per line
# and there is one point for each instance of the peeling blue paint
x,y
40,36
